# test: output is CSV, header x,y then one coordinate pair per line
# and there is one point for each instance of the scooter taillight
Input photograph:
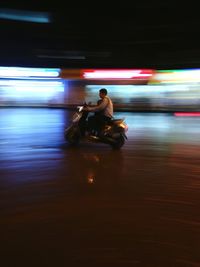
x,y
124,126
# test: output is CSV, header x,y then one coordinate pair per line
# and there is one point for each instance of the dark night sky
x,y
151,34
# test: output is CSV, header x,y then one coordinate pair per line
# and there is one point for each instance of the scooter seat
x,y
115,121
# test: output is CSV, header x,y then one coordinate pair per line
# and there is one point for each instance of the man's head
x,y
102,92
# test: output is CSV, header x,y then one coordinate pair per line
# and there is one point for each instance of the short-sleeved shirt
x,y
106,106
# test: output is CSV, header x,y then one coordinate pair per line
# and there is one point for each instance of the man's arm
x,y
102,106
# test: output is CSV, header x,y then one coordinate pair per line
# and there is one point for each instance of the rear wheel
x,y
119,142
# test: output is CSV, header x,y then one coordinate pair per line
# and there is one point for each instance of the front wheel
x,y
72,136
119,142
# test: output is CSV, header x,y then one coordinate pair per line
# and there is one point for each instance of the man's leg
x,y
102,120
92,124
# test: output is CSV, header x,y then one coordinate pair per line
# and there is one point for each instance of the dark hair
x,y
103,91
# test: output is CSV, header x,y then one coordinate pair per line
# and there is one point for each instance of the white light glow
x,y
31,90
23,83
14,72
115,74
178,76
130,90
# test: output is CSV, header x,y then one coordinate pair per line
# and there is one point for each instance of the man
x,y
103,112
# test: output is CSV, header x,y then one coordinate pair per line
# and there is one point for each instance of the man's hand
x,y
86,109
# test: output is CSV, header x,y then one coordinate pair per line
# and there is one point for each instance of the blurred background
x,y
130,89
150,51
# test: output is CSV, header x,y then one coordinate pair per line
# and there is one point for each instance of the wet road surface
x,y
92,206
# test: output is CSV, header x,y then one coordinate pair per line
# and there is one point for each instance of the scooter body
x,y
113,133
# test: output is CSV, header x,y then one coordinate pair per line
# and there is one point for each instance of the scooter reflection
x,y
100,169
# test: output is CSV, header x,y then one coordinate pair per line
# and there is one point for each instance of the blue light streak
x,y
25,15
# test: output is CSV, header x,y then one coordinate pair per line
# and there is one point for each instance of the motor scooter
x,y
113,132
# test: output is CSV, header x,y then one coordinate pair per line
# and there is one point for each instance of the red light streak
x,y
117,74
187,114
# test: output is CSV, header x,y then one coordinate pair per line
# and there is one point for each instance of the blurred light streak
x,y
26,90
13,72
176,76
116,74
25,84
140,90
187,114
25,15
60,56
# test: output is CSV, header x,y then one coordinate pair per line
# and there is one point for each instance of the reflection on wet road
x,y
92,206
